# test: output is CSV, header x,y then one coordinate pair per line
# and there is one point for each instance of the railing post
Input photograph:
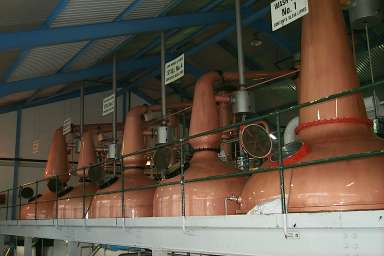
x,y
27,246
36,193
19,192
122,188
182,177
281,166
6,214
57,197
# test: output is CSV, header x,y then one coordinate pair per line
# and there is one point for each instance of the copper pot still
x,y
208,197
75,203
334,128
136,203
57,164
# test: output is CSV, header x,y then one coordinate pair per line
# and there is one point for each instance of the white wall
x,y
39,123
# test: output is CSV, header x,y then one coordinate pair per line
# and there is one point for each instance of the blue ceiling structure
x,y
51,34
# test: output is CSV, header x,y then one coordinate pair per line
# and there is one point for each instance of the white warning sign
x,y
67,126
174,69
109,105
284,12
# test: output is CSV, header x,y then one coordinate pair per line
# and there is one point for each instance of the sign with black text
x,y
35,146
174,69
109,105
284,12
67,125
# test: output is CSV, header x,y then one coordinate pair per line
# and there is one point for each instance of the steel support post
x,y
27,246
73,248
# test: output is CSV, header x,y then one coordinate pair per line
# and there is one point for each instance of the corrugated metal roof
x,y
17,15
79,12
95,51
44,61
100,48
147,8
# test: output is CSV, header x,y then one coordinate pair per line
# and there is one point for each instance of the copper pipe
x,y
333,128
234,76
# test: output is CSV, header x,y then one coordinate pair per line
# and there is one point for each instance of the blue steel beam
x,y
43,37
276,37
59,7
96,71
91,89
129,9
214,39
230,48
249,19
156,41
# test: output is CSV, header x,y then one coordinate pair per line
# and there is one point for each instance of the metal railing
x,y
182,181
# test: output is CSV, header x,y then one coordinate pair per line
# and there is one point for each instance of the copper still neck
x,y
327,68
87,154
133,140
204,113
57,163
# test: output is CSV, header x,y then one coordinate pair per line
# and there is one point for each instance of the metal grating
x,y
95,51
148,8
44,61
363,68
80,12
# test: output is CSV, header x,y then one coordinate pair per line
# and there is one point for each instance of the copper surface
x,y
136,203
75,205
327,68
57,164
44,208
208,197
87,155
133,139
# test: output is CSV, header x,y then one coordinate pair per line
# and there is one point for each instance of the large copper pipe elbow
x,y
233,76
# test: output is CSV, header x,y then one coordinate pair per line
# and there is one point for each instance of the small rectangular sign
x,y
67,126
284,12
109,105
35,146
174,69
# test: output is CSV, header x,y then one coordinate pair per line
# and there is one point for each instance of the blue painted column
x,y
16,163
124,112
